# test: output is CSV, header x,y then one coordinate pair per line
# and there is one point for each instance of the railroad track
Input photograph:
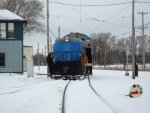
x,y
63,110
110,106
101,98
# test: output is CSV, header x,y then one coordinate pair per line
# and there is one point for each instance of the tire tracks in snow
x,y
23,88
23,85
10,92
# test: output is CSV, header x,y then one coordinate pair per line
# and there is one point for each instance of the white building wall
x,y
27,53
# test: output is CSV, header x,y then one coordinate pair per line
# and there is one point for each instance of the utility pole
x,y
105,52
133,41
38,58
127,53
80,13
42,52
143,39
45,50
58,31
47,34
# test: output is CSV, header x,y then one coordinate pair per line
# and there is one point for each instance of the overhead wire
x,y
89,5
71,17
53,33
119,12
144,2
100,20
126,33
95,5
97,19
141,25
136,27
80,12
119,25
122,34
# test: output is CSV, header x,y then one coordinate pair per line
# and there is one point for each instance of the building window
x,y
2,30
10,30
2,59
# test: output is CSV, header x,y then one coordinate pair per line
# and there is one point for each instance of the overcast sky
x,y
116,19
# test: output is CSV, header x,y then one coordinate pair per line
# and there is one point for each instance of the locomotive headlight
x,y
66,39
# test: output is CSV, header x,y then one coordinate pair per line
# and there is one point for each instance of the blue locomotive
x,y
67,55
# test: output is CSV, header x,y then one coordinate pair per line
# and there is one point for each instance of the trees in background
x,y
109,50
30,10
103,46
39,59
113,50
147,51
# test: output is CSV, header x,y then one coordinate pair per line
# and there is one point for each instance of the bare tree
x,y
30,10
116,49
42,59
147,49
111,47
139,49
123,46
103,46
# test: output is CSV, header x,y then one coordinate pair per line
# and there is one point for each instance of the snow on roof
x,y
7,15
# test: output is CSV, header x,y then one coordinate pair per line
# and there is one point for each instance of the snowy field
x,y
39,94
121,67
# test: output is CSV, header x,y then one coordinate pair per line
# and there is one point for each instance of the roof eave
x,y
13,20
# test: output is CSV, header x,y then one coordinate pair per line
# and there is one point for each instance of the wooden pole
x,y
48,34
143,40
105,52
38,58
133,42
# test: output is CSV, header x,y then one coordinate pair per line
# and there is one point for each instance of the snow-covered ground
x,y
121,67
21,94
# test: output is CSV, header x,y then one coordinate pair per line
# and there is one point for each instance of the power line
x,y
96,5
143,39
117,24
53,33
99,20
142,2
147,24
71,17
96,19
122,34
141,25
119,12
89,5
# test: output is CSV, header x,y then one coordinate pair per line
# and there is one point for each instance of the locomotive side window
x,y
88,41
2,59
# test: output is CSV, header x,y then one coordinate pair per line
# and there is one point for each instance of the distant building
x,y
11,42
27,55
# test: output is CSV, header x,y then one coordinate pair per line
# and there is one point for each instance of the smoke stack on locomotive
x,y
67,53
